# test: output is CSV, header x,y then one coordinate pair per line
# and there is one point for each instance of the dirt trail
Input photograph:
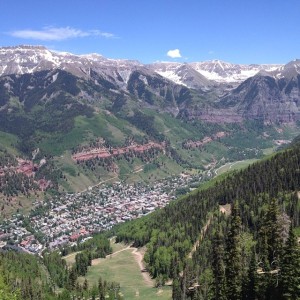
x,y
202,233
139,259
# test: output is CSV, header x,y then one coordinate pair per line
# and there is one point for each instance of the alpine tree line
x,y
257,233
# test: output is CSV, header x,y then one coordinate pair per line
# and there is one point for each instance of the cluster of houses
x,y
71,218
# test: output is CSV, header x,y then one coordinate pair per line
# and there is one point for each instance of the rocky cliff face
x,y
272,97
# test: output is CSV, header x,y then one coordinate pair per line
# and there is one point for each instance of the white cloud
x,y
174,53
58,34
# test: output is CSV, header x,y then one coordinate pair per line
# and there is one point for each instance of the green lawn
x,y
123,268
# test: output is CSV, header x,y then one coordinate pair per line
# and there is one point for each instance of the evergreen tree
x,y
290,268
218,266
270,249
272,225
250,282
85,285
72,278
101,289
176,291
233,257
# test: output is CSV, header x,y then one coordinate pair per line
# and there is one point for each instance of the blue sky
x,y
256,31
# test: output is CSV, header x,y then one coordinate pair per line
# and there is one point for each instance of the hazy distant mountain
x,y
213,91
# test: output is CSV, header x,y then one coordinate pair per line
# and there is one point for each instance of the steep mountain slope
x,y
119,76
183,74
272,97
49,118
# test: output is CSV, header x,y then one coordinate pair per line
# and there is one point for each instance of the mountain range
x,y
172,116
28,59
237,92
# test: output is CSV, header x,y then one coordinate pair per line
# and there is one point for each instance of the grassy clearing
x,y
123,268
70,258
117,246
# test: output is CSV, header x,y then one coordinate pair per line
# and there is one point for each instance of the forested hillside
x,y
252,254
27,277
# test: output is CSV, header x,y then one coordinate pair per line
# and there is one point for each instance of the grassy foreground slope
x,y
123,268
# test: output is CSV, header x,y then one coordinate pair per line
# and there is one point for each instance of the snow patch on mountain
x,y
225,72
171,75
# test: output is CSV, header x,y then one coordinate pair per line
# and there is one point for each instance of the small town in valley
x,y
70,219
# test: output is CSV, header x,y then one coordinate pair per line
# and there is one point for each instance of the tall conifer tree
x,y
233,257
290,268
218,266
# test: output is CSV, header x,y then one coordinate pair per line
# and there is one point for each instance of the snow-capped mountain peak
x,y
29,59
199,75
225,72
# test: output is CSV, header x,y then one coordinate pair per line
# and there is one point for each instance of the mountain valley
x,y
182,177
161,119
